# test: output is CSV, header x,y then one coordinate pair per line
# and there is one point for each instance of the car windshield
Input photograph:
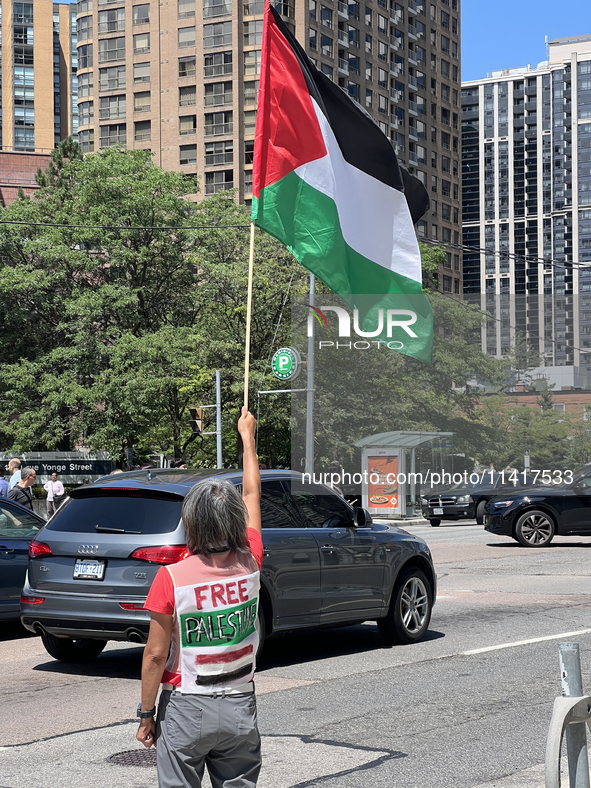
x,y
118,514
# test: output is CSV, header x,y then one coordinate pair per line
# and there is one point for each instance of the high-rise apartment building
x,y
526,141
180,78
38,90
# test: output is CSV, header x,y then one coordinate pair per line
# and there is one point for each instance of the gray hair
x,y
26,472
214,517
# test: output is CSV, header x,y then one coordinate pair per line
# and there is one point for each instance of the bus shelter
x,y
397,466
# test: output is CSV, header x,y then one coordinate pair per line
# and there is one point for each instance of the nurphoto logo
x,y
388,322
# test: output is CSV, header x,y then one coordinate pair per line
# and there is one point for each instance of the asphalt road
x,y
470,706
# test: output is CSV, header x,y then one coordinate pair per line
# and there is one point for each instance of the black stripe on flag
x,y
360,139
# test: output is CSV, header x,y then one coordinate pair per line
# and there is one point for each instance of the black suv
x,y
466,500
534,516
325,562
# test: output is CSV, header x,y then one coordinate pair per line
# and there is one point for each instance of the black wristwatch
x,y
145,715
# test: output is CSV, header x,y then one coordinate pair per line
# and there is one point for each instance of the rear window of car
x,y
131,514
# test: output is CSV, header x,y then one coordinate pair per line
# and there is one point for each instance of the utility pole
x,y
309,465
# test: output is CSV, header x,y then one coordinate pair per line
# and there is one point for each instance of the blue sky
x,y
510,33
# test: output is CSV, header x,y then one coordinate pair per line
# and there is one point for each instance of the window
x,y
142,101
141,72
142,131
188,154
312,38
253,33
250,119
187,124
368,98
85,59
186,37
187,66
383,104
112,107
111,135
213,8
112,49
84,28
220,63
83,6
218,93
445,20
249,152
216,35
251,90
111,78
217,123
444,68
353,90
368,71
86,113
85,84
86,140
382,24
445,164
217,153
368,43
368,13
326,45
248,181
252,63
23,75
382,78
111,21
353,36
447,284
186,8
325,16
188,96
141,14
326,69
312,7
322,509
382,51
219,181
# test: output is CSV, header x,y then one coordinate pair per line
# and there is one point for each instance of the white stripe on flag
x,y
375,219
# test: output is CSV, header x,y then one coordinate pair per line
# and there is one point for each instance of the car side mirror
x,y
363,518
581,485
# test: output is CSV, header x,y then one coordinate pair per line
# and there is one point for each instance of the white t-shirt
x,y
54,489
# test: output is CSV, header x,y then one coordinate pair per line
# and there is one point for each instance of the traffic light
x,y
197,416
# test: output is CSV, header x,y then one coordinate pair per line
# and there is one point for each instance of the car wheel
x,y
409,615
535,529
67,650
435,523
480,513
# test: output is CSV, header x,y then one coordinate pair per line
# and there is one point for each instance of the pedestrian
x,y
4,486
179,464
22,492
206,607
14,466
55,492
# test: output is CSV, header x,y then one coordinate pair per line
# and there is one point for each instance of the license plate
x,y
437,511
89,569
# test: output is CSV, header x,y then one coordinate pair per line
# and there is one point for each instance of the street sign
x,y
286,363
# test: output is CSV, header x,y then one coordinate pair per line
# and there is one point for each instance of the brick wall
x,y
17,170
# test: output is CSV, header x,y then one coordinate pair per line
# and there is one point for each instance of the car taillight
x,y
39,549
166,554
131,605
32,600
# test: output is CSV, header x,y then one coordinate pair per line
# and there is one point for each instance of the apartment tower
x,y
180,78
38,90
526,163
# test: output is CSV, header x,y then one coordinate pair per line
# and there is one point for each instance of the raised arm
x,y
251,483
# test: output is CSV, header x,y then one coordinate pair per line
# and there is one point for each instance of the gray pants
x,y
193,731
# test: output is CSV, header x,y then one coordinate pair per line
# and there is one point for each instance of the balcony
x,y
412,158
412,83
343,66
412,134
412,7
531,91
395,43
344,38
413,33
395,95
343,9
395,16
394,122
396,69
412,108
412,58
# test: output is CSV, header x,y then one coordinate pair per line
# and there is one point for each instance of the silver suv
x,y
325,563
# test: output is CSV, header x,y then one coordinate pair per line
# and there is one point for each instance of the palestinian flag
x,y
326,183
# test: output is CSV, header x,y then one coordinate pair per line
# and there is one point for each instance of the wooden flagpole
x,y
248,314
